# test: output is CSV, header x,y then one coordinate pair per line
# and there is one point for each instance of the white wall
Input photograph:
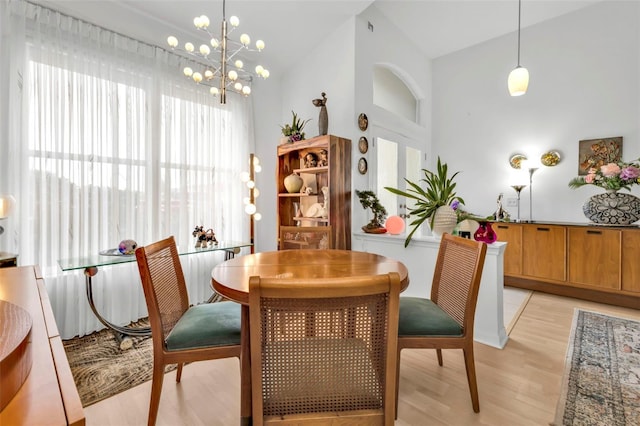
x,y
327,68
584,85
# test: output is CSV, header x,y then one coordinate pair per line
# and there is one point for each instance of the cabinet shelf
x,y
312,219
312,170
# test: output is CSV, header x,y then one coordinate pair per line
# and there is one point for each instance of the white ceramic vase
x,y
293,183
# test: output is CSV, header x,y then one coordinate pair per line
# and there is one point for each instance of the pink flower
x,y
630,173
590,178
610,170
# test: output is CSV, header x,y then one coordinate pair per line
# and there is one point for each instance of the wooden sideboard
x,y
597,263
48,396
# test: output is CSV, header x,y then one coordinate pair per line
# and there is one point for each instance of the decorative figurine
x,y
323,160
500,214
323,120
310,160
204,238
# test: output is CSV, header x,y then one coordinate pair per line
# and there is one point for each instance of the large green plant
x,y
439,191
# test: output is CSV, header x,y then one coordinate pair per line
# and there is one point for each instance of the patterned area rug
x,y
100,369
601,383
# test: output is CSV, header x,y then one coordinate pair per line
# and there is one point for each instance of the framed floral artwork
x,y
593,153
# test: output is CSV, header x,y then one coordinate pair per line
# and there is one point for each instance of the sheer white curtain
x,y
111,144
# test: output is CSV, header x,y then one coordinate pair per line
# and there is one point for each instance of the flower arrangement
x,y
610,176
294,130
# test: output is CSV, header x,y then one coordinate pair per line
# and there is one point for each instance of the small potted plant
x,y
369,200
293,132
439,192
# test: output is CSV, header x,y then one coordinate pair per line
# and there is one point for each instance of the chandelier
x,y
222,70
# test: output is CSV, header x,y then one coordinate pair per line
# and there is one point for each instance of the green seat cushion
x,y
422,317
208,324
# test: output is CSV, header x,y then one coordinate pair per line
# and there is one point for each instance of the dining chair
x,y
446,320
333,359
181,333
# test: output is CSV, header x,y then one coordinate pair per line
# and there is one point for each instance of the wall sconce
x,y
7,203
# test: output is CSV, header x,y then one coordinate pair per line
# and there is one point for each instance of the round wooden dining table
x,y
230,279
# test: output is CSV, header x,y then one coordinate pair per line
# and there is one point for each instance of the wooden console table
x,y
49,395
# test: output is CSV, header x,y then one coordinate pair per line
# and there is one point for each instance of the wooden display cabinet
x,y
314,208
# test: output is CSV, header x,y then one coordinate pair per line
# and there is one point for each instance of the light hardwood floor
x,y
518,385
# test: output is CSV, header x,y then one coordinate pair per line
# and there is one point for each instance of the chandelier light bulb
x,y
250,208
204,50
204,21
238,86
208,74
214,91
234,21
245,40
196,22
172,41
257,168
215,43
187,71
256,193
259,45
251,184
239,64
188,47
244,177
265,74
197,77
246,201
259,69
233,76
257,216
246,90
256,161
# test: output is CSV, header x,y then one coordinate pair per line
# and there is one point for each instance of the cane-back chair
x,y
446,320
324,350
181,333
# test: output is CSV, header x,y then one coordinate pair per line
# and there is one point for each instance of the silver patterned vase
x,y
612,208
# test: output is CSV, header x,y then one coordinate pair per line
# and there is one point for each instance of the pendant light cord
x,y
519,13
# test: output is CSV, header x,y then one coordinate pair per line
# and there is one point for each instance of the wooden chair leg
x,y
439,353
397,381
156,390
179,372
471,378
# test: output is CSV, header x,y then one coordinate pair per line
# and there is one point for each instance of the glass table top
x,y
112,258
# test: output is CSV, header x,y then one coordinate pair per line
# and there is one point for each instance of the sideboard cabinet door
x,y
631,260
511,234
544,251
594,257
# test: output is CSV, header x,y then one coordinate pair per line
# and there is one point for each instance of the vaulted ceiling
x,y
289,27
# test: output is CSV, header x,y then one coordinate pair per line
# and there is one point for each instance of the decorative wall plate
x,y
363,145
363,121
516,160
550,158
362,165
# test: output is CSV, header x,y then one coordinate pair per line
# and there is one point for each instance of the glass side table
x,y
91,263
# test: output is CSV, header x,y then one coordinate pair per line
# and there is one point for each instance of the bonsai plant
x,y
294,131
440,191
369,200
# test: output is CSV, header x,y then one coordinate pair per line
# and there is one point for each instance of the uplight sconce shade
x,y
518,81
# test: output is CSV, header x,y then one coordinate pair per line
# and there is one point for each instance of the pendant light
x,y
519,77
